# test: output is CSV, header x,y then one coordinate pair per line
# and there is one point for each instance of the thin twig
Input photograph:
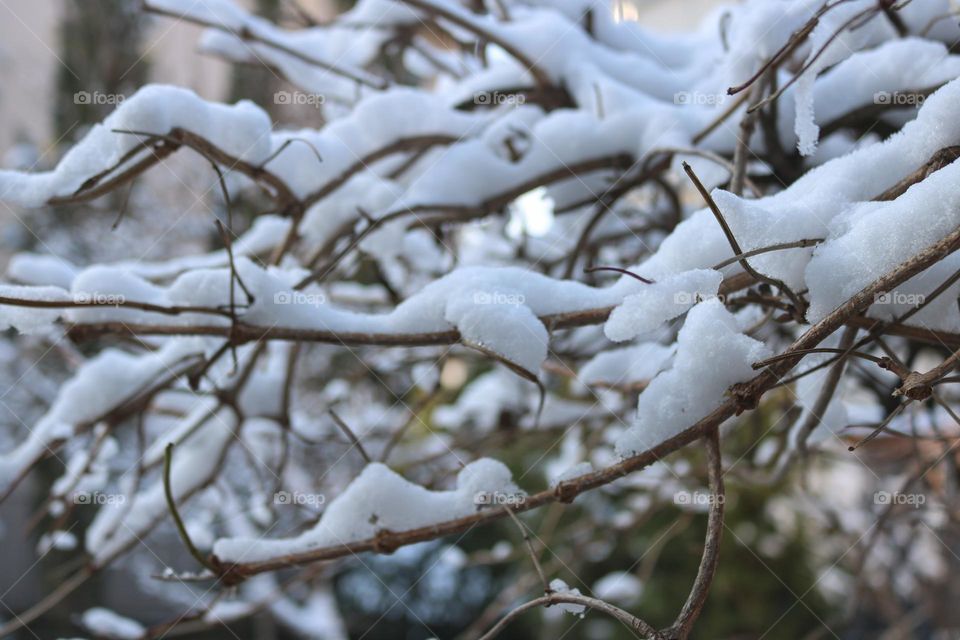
x,y
524,531
873,434
843,351
711,549
827,390
172,505
350,434
739,174
619,270
796,244
631,621
798,302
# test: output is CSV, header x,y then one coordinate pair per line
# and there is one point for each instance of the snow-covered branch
x,y
530,251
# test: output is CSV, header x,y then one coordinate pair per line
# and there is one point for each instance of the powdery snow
x,y
872,238
712,354
626,366
654,304
380,499
241,130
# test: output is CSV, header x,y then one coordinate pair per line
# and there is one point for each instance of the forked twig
x,y
798,303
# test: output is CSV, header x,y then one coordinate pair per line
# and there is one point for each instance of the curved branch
x,y
92,188
172,506
631,621
177,137
711,549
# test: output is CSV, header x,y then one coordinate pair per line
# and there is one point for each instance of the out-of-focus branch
x,y
357,75
631,621
711,548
